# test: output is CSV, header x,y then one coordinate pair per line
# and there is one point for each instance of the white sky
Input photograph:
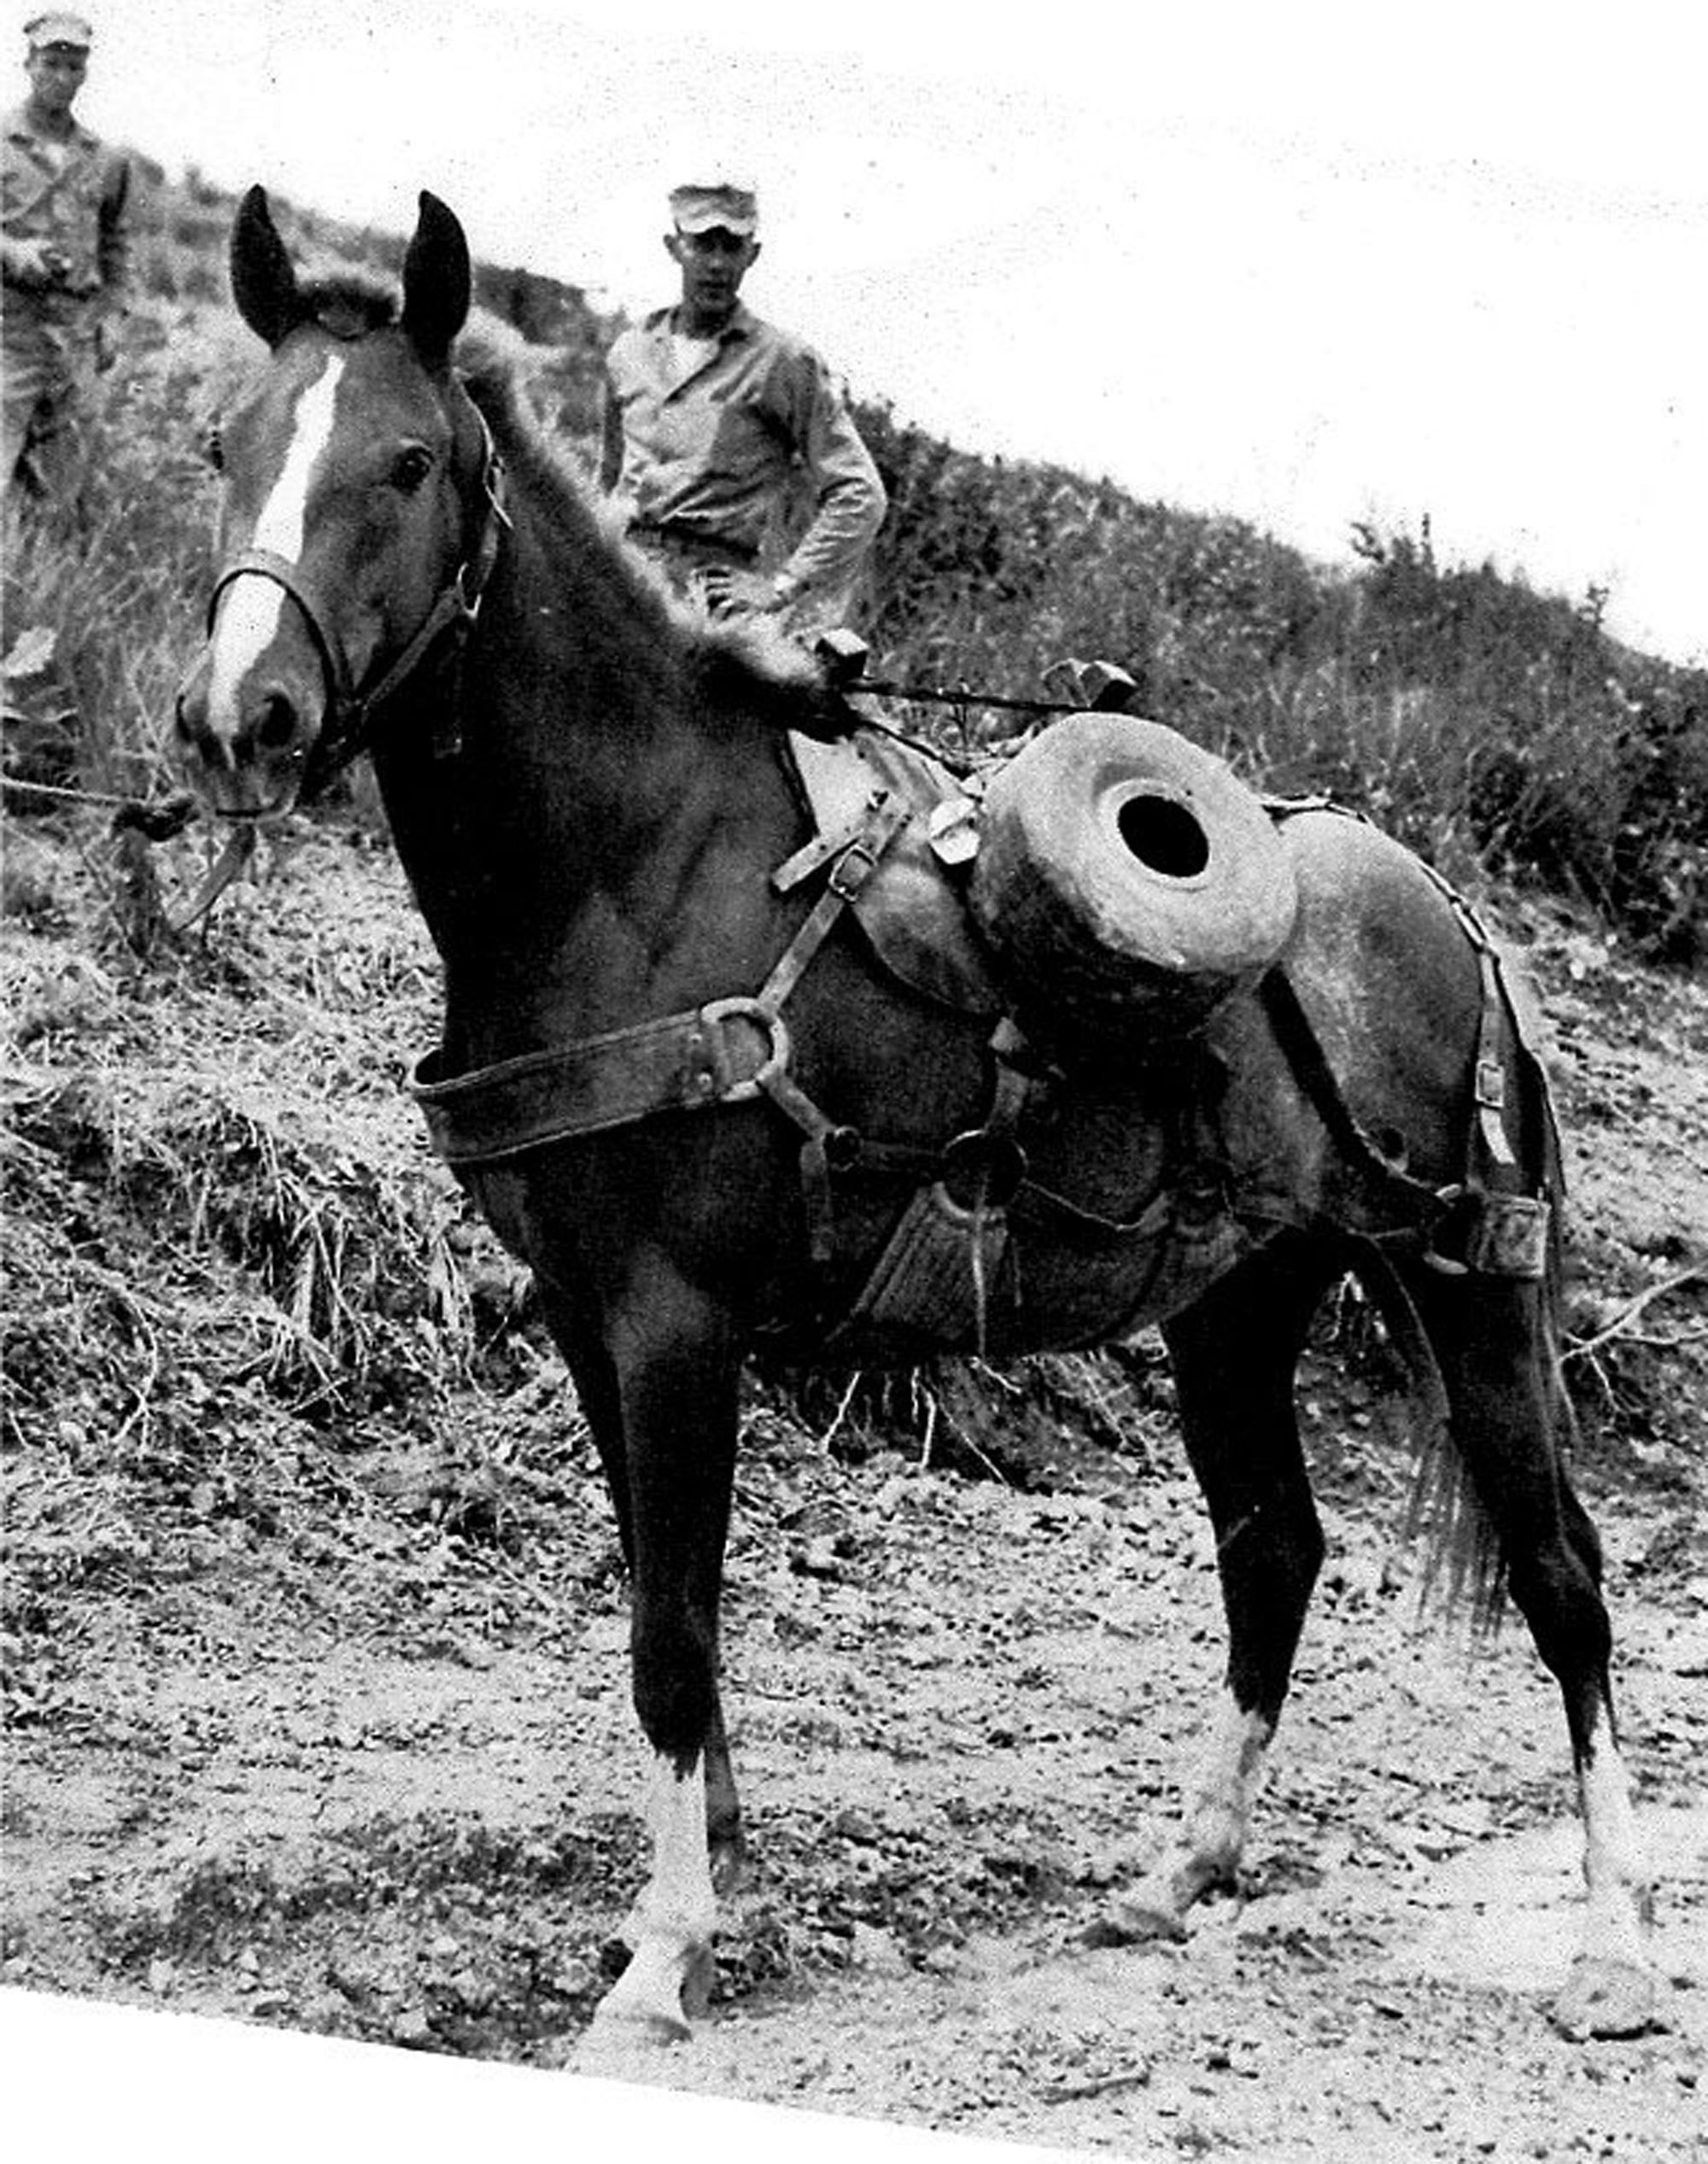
x,y
1309,261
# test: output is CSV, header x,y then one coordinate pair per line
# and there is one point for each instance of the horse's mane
x,y
348,304
745,663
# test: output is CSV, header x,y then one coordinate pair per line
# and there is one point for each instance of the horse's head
x,y
357,512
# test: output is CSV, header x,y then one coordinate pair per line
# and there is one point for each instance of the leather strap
x,y
722,1053
1299,1042
728,1051
266,562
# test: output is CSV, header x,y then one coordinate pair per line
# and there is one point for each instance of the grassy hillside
x,y
1500,731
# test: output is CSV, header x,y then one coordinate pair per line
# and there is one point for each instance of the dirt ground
x,y
354,1755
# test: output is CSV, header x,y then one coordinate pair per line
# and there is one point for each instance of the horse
x,y
690,1095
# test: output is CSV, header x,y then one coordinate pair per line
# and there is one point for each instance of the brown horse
x,y
683,1086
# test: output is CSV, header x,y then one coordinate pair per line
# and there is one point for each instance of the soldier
x,y
64,252
715,422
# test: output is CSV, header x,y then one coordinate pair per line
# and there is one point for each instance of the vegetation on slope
x,y
1500,731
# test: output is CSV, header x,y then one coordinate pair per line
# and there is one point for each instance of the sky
x,y
1308,263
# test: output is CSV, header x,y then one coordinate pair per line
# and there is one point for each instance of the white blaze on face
x,y
249,610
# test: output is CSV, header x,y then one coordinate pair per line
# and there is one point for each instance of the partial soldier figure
x,y
715,423
65,254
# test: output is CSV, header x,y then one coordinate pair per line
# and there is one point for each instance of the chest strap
x,y
728,1051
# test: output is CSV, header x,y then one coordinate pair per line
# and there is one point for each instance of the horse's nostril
x,y
277,724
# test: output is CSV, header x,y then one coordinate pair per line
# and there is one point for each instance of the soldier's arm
x,y
849,495
113,241
610,440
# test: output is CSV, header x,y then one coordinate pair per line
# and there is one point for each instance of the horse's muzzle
x,y
248,757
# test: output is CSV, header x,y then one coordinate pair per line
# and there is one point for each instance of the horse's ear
x,y
437,282
263,277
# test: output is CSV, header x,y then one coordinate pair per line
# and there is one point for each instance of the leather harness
x,y
727,1051
737,1050
351,709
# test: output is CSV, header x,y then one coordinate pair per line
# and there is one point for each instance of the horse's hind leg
x,y
1495,1351
1234,1355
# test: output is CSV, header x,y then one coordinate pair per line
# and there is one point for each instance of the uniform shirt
x,y
710,439
74,194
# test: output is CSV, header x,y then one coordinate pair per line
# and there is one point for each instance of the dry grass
x,y
226,1251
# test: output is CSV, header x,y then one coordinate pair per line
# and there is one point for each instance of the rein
x,y
351,709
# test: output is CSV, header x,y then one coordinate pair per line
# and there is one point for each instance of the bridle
x,y
352,708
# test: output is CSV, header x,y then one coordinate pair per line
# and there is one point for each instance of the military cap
x,y
699,206
56,28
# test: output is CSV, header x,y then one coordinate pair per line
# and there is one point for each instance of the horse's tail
x,y
1462,1575
1465,1569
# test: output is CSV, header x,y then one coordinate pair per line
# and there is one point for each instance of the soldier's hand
x,y
108,342
737,593
34,265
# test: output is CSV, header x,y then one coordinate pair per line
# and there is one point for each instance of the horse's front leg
x,y
575,1326
677,1364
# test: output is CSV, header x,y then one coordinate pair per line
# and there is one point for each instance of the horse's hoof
x,y
625,2042
1135,1923
702,1974
1607,1998
728,1865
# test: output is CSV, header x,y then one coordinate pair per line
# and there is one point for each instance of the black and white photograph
x,y
854,926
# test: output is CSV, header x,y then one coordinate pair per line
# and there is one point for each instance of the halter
x,y
351,708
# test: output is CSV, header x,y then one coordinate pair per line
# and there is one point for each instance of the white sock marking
x,y
1230,1773
669,1927
250,608
1614,1877
678,1900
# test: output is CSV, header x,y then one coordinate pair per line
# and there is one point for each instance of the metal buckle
x,y
851,870
981,1170
1510,1237
730,1086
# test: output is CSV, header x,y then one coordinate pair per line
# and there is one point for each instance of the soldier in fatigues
x,y
64,252
714,420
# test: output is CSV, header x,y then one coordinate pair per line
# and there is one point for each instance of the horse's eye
x,y
413,466
213,448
